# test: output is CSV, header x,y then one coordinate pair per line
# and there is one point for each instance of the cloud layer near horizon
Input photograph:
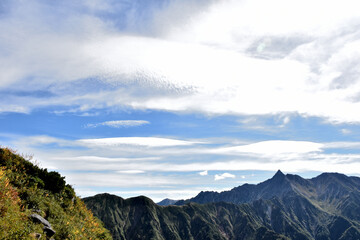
x,y
228,87
143,160
155,163
223,57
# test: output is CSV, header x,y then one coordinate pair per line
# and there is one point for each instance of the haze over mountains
x,y
283,207
167,202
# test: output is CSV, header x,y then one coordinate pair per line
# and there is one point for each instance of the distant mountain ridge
x,y
167,202
333,192
326,207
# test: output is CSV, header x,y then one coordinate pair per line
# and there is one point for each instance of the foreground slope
x,y
37,204
285,206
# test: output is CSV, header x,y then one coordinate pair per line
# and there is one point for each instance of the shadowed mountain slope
x,y
331,192
167,202
140,218
322,207
283,207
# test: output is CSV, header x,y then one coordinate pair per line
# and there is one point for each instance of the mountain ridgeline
x,y
326,207
141,218
167,202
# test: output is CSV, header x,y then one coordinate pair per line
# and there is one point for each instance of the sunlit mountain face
x,y
170,98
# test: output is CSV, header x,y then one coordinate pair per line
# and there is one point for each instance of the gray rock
x,y
39,219
47,226
36,210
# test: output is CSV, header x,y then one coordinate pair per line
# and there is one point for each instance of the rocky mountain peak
x,y
279,174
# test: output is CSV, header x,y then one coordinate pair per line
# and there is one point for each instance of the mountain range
x,y
38,204
326,207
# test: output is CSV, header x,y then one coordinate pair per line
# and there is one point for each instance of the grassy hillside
x,y
26,189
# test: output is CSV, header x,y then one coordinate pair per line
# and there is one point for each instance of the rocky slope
x,y
140,218
331,192
167,202
283,207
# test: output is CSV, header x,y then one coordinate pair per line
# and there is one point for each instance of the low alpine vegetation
x,y
28,190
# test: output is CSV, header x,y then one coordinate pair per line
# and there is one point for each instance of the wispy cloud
x,y
131,171
272,147
342,145
247,59
223,176
172,155
159,168
345,131
122,180
142,141
307,66
119,123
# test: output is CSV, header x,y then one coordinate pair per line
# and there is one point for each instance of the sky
x,y
166,98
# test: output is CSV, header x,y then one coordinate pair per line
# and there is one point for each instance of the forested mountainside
x,y
38,204
283,207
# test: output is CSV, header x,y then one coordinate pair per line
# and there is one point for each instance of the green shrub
x,y
13,219
24,188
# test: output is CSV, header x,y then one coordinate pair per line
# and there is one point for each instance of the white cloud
x,y
286,120
90,168
119,123
345,131
344,163
43,140
273,147
104,159
121,180
211,57
141,141
223,176
131,171
342,145
207,62
290,156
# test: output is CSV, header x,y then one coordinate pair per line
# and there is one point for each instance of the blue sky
x,y
168,98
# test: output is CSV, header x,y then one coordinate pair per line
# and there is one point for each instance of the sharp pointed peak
x,y
279,174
